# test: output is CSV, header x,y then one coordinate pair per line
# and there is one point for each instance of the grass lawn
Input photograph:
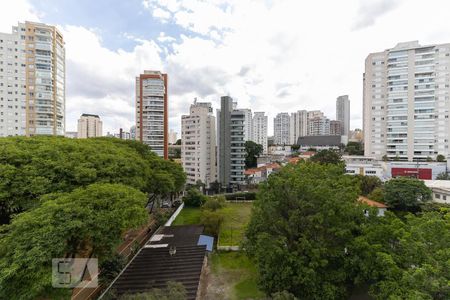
x,y
236,217
188,216
234,273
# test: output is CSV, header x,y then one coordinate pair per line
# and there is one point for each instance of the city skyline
x,y
164,37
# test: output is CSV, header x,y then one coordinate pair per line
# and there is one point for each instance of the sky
x,y
269,55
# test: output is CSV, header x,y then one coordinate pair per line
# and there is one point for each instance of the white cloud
x,y
14,11
273,56
102,81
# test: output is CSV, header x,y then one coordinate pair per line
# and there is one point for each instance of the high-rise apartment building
x,y
172,137
335,127
198,144
281,125
319,126
298,126
260,124
231,143
89,126
248,122
406,102
343,113
152,111
32,81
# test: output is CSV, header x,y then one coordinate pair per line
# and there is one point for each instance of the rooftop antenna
x,y
172,250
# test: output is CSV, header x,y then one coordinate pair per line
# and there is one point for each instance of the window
x,y
437,196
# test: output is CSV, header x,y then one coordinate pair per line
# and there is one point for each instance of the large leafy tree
x,y
354,148
405,258
87,222
327,156
369,183
32,167
302,223
406,194
252,152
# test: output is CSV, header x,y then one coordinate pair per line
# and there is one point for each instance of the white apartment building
x,y
172,137
32,81
406,102
319,126
343,114
89,126
281,125
248,122
152,111
198,144
298,126
260,124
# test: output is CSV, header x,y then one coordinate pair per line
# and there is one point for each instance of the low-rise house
x,y
382,208
440,189
260,174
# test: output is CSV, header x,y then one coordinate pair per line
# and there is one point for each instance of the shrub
x,y
194,198
214,203
212,221
111,267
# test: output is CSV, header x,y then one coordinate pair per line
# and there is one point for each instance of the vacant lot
x,y
236,217
232,276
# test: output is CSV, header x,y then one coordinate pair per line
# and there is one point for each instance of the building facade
x,y
319,126
172,137
198,144
406,102
231,143
281,124
89,126
260,124
343,114
335,127
298,126
32,81
152,111
248,122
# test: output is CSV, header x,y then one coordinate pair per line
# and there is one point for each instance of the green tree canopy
x,y
354,148
405,194
87,221
32,167
369,183
327,156
252,152
303,219
405,259
440,158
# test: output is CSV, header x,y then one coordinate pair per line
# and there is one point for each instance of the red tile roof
x,y
371,202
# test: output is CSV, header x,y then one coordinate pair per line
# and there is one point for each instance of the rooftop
x,y
438,184
173,254
371,202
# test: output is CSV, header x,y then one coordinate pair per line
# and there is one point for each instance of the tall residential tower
x,y
260,130
343,114
406,102
281,129
32,81
198,144
152,111
231,143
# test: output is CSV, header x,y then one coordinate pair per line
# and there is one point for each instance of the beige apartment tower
x,y
89,126
406,102
32,81
152,120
